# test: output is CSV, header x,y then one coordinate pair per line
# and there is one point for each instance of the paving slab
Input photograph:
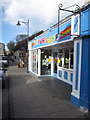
x,y
33,97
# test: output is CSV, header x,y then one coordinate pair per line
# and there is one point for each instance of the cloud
x,y
41,13
44,10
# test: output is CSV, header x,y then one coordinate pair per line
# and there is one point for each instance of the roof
x,y
31,37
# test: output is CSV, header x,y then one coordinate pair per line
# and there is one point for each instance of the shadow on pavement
x,y
5,101
59,88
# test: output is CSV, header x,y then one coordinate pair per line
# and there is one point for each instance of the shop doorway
x,y
46,62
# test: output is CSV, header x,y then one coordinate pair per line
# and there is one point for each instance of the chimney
x,y
87,2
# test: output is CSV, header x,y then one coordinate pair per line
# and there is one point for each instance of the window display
x,y
55,61
63,58
35,61
66,59
71,58
60,56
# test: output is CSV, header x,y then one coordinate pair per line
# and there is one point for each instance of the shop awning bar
x,y
77,8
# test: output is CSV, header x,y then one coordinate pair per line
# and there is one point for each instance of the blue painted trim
x,y
85,103
45,76
33,73
29,71
65,75
60,73
77,64
55,75
62,80
50,76
85,28
71,77
75,101
85,74
76,25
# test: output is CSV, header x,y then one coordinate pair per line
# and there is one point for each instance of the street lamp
x,y
26,23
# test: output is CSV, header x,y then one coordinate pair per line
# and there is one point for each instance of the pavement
x,y
33,97
4,99
0,99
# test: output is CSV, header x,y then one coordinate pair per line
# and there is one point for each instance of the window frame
x,y
63,58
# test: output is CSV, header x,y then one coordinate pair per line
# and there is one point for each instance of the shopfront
x,y
55,57
62,56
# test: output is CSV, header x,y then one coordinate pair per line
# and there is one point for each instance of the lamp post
x,y
26,23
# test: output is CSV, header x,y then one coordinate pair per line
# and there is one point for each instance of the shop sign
x,y
40,41
75,25
65,34
50,39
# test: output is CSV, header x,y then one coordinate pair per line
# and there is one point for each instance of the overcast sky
x,y
41,13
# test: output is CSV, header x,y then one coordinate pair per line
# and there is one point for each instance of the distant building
x,y
2,49
19,54
20,50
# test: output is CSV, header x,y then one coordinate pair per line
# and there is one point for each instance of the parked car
x,y
3,75
4,59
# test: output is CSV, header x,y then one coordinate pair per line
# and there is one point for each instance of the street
x,y
33,97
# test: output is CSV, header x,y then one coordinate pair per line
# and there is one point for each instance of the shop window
x,y
55,67
35,62
66,59
71,59
55,61
60,55
71,51
20,54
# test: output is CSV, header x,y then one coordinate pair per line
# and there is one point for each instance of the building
x,y
20,50
65,56
2,49
19,54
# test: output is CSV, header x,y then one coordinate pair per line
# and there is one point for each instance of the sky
x,y
41,14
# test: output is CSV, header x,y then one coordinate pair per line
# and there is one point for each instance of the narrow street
x,y
32,97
